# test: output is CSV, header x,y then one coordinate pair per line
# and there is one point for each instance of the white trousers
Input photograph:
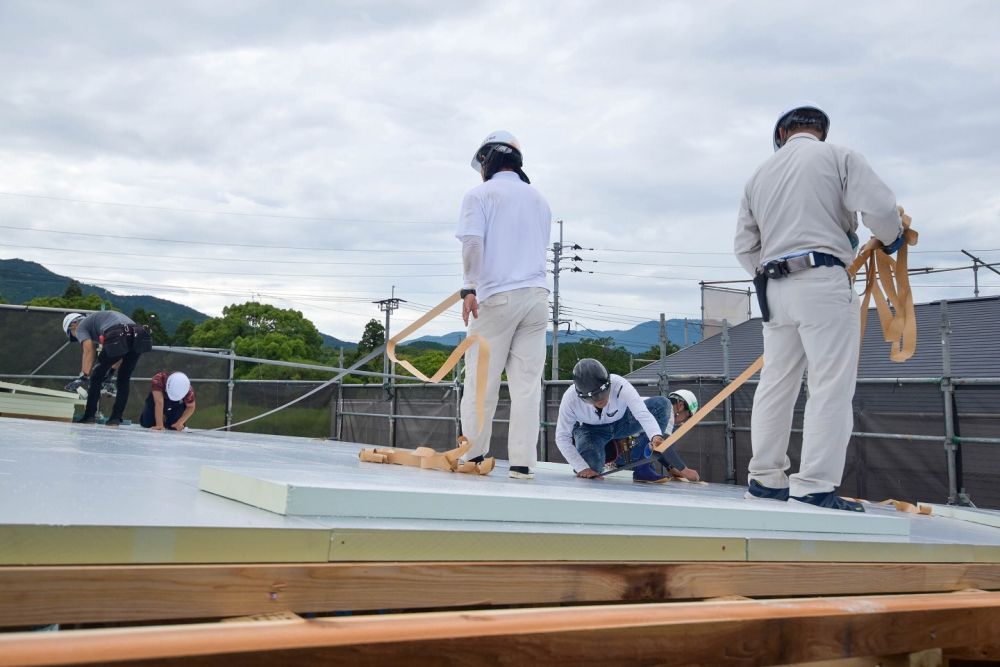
x,y
514,323
814,326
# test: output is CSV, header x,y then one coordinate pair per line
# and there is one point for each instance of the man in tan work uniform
x,y
796,232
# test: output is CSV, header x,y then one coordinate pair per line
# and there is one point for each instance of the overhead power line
x,y
226,244
214,259
254,273
273,216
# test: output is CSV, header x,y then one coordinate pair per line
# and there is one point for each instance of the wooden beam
x,y
40,595
982,653
768,632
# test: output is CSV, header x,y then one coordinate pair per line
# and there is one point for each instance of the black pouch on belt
x,y
115,341
760,286
142,341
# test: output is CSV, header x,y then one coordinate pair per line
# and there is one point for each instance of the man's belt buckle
x,y
776,269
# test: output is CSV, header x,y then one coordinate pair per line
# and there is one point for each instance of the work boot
x,y
830,500
758,491
647,474
520,472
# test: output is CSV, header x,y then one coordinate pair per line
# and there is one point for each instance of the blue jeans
x,y
590,439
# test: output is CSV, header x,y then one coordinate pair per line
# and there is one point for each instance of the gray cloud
x,y
640,124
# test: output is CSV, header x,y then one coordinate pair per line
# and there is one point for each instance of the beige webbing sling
x,y
899,328
426,457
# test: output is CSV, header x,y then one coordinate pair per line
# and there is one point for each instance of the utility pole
x,y
557,250
388,306
664,382
976,263
556,255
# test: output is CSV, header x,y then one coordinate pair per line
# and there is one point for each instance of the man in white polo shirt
x,y
601,410
504,228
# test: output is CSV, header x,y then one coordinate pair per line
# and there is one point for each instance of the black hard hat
x,y
591,380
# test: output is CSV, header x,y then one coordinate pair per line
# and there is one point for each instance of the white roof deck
x,y
83,494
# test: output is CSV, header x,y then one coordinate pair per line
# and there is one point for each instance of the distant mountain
x,y
637,339
335,343
21,281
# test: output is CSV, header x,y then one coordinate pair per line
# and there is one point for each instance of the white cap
x,y
178,385
68,320
498,137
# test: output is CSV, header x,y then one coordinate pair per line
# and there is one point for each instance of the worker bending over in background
x,y
170,402
107,338
602,408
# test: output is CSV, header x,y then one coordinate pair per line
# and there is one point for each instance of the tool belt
x,y
779,268
118,339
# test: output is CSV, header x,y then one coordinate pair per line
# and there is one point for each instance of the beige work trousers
x,y
814,326
514,324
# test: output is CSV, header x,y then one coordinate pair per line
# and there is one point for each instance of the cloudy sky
x,y
314,154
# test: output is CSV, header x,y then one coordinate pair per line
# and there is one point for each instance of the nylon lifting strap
x,y
888,281
899,328
482,357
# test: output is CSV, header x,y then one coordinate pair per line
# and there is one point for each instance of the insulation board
x,y
356,489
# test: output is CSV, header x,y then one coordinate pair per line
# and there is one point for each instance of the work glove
x,y
79,386
895,245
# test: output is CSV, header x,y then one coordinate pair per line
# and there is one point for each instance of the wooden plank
x,y
929,658
984,652
37,595
769,632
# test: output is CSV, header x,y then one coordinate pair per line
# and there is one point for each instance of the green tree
x,y
2,300
159,334
372,337
614,357
254,320
263,331
89,302
425,361
182,334
74,290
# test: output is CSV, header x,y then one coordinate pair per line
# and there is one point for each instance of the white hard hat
x,y
787,113
687,397
178,385
499,137
68,320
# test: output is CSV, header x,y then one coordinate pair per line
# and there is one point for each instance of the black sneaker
x,y
830,500
520,472
86,420
113,421
758,491
477,459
